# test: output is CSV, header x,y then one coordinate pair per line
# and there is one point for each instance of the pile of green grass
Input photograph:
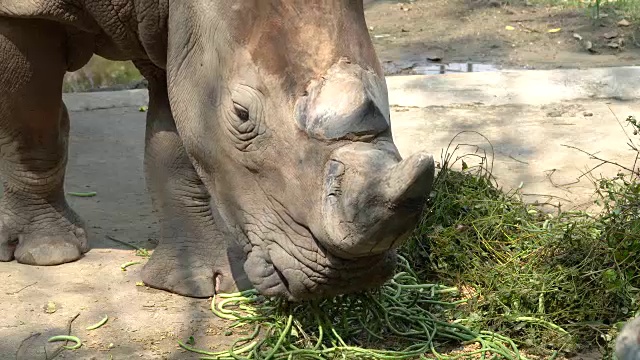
x,y
398,321
631,8
561,281
627,8
484,276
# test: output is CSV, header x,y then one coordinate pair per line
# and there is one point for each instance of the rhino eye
x,y
242,113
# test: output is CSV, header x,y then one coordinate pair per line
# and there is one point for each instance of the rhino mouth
x,y
346,277
296,266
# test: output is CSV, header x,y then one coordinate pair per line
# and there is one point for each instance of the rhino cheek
x,y
261,273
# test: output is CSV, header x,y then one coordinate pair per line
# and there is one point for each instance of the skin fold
x,y
269,155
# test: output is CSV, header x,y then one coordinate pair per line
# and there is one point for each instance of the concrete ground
x,y
528,136
538,122
535,147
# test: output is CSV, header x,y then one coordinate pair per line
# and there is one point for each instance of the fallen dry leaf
x,y
554,30
50,308
616,44
509,27
610,35
624,22
588,46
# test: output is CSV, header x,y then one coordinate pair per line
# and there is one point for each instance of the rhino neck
x,y
135,29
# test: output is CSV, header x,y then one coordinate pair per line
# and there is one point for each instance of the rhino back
x,y
114,29
64,11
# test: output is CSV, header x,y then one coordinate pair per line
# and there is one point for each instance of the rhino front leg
x,y
37,226
193,257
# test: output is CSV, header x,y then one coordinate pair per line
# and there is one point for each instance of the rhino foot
x,y
176,275
46,249
46,235
193,271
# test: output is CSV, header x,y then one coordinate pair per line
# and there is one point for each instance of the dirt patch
x,y
407,34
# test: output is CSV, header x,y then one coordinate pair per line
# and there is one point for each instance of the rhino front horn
x,y
373,199
409,180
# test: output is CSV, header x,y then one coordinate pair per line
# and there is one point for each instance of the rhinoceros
x,y
627,344
269,155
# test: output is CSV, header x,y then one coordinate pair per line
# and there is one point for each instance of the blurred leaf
x,y
50,308
191,340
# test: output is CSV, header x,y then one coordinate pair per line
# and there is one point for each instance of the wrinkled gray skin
x,y
628,342
269,154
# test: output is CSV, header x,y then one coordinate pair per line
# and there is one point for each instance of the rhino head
x,y
282,107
